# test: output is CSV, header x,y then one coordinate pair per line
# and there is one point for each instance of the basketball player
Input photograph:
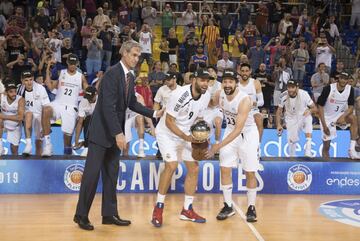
x,y
336,104
298,107
213,115
65,106
240,142
11,116
36,98
253,88
86,108
135,120
185,105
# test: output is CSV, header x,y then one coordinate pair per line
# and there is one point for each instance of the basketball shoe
x,y
226,211
251,214
191,215
157,215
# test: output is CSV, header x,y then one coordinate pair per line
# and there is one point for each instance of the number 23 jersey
x,y
230,109
184,108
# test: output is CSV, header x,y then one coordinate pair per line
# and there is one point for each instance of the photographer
x,y
14,45
323,52
94,47
146,38
106,35
20,65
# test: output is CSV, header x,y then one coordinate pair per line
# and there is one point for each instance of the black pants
x,y
86,128
106,160
224,33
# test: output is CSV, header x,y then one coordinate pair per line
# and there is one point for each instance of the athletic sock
x,y
227,192
251,196
352,144
47,139
28,140
141,143
160,198
188,201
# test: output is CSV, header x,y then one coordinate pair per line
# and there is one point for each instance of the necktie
x,y
127,82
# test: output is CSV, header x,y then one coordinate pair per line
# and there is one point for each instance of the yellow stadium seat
x,y
225,47
231,37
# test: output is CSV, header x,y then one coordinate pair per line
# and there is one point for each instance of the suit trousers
x,y
106,161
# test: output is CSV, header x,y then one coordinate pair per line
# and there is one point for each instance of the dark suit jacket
x,y
108,118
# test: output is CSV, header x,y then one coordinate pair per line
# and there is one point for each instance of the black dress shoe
x,y
115,220
83,222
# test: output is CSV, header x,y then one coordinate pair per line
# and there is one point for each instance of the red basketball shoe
x,y
157,215
191,215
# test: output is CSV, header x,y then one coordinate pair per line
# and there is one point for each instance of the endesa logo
x,y
343,182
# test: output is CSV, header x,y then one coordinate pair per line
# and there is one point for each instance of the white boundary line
x,y
252,228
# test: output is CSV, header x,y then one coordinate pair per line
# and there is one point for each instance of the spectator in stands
x,y
13,29
304,23
146,38
53,43
164,53
334,75
225,22
86,36
173,70
36,32
7,8
223,64
300,59
276,51
189,17
94,49
163,94
14,45
355,14
332,29
124,14
319,80
148,14
280,76
107,8
66,50
115,41
210,35
190,45
81,20
167,19
156,78
250,33
66,30
243,11
256,55
61,13
106,36
20,65
19,18
100,19
284,25
262,14
42,19
267,86
275,16
173,46
143,88
239,46
135,15
199,58
189,75
323,52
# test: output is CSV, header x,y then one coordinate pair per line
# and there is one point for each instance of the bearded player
x,y
240,142
185,105
298,107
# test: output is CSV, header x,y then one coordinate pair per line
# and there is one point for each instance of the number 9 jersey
x,y
184,109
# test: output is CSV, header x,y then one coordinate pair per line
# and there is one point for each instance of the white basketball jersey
x,y
69,88
10,109
230,109
336,102
249,89
35,99
129,113
212,90
184,109
295,107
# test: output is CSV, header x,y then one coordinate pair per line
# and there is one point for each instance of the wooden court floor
x,y
280,217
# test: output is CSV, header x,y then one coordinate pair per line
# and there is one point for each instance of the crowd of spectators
x,y
280,41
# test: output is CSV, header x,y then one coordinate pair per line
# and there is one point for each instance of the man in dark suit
x,y
107,139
